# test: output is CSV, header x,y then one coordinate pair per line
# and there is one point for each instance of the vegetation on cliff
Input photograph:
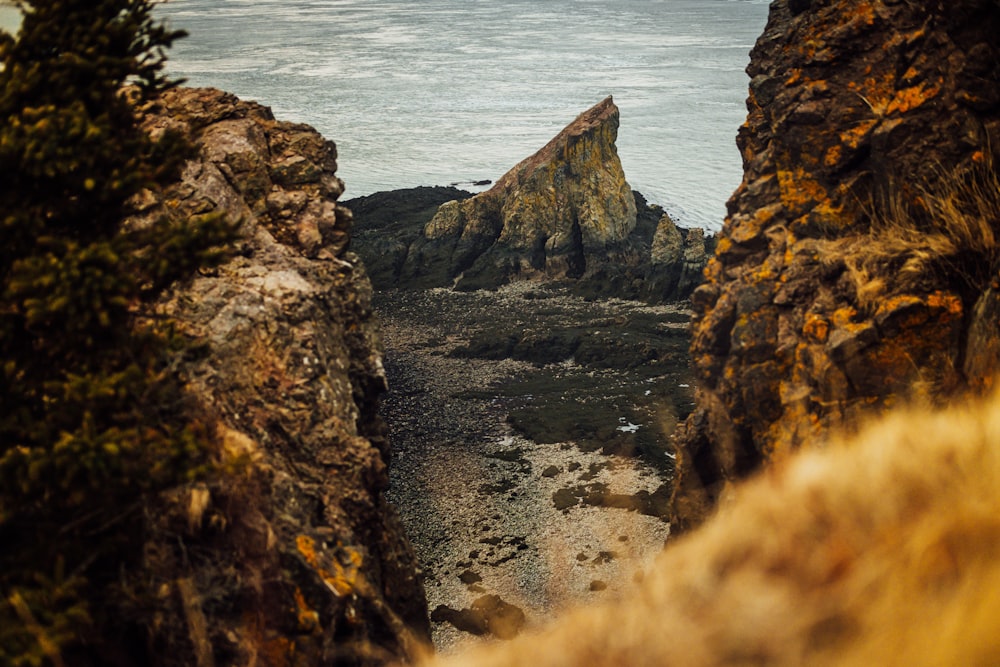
x,y
93,419
857,265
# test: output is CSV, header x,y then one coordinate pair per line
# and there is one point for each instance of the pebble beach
x,y
494,514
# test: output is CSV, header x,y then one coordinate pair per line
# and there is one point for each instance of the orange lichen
x,y
762,216
307,616
766,273
854,137
341,578
950,303
880,94
799,191
810,48
723,246
307,547
843,318
833,156
915,318
913,97
863,12
816,328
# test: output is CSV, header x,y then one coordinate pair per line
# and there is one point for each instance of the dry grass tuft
x,y
926,235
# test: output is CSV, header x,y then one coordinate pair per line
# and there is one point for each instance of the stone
x,y
548,215
564,214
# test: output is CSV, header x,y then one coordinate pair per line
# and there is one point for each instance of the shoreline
x,y
490,512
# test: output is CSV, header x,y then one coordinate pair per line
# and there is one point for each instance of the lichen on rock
x,y
838,287
294,557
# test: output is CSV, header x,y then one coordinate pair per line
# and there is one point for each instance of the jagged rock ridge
x,y
566,212
296,558
840,284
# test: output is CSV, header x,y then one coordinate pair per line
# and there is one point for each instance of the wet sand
x,y
529,434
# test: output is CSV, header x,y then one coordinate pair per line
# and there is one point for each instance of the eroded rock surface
x,y
843,282
565,213
547,216
295,558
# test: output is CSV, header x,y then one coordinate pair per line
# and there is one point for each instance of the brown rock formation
x,y
295,558
566,212
855,263
553,215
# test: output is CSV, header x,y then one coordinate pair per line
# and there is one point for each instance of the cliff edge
x,y
294,557
856,269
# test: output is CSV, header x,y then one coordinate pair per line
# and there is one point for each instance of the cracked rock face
x,y
839,287
295,558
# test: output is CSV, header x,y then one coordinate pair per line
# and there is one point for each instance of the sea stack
x,y
554,215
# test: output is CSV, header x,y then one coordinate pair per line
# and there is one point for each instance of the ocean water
x,y
435,92
10,17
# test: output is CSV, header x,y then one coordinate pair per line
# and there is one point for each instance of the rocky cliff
x,y
857,265
293,557
566,212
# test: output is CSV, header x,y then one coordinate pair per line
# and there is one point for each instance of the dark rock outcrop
x,y
295,557
389,223
565,213
853,271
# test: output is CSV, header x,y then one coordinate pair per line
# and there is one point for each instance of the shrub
x,y
92,422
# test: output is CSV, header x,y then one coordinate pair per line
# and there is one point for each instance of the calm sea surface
x,y
10,17
431,92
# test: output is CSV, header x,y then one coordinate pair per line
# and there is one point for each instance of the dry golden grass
x,y
921,234
883,549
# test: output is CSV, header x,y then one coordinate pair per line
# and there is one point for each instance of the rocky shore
x,y
530,465
563,213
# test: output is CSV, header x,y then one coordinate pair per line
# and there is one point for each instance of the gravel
x,y
542,525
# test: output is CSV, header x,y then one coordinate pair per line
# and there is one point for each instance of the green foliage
x,y
91,420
